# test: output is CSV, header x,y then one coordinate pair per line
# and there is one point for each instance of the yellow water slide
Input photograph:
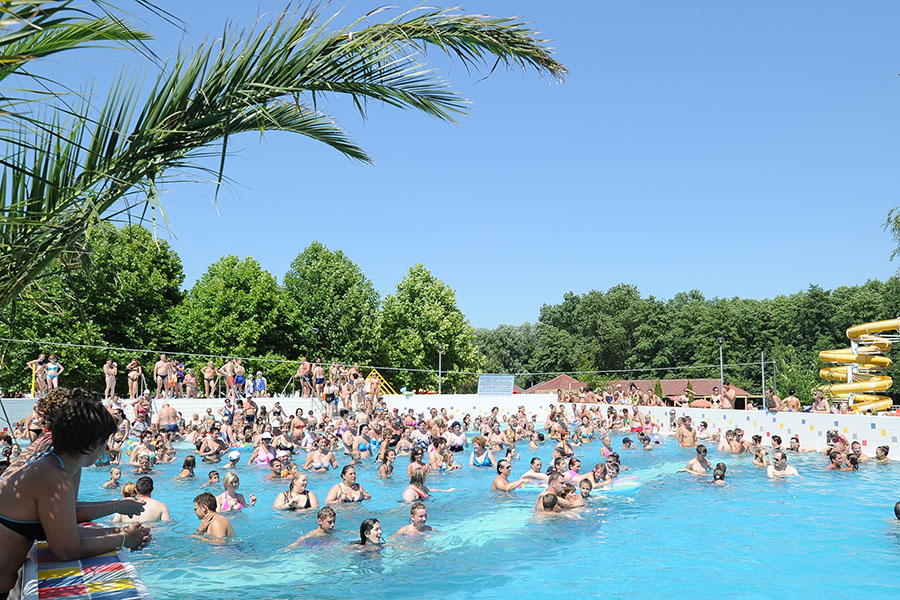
x,y
860,363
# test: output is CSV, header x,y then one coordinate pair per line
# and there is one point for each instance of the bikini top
x,y
30,530
236,506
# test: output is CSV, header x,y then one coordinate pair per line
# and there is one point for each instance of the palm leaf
x,y
65,170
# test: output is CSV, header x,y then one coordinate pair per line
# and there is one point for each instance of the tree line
x,y
124,289
621,330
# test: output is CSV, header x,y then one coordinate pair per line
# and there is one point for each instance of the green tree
x,y
421,315
119,291
508,349
75,161
234,309
333,307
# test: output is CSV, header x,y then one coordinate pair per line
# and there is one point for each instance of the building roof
x,y
560,382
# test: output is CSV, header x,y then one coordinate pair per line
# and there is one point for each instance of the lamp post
x,y
440,356
721,341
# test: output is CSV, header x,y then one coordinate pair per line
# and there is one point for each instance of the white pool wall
x,y
870,431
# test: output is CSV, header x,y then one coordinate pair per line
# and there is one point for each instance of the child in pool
x,y
115,474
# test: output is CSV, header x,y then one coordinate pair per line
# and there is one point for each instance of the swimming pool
x,y
828,534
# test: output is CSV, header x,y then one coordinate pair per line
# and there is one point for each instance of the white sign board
x,y
496,385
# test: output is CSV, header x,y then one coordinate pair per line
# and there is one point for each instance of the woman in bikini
x,y
416,490
230,499
417,461
363,442
110,370
38,500
321,459
347,490
297,497
134,375
53,370
263,453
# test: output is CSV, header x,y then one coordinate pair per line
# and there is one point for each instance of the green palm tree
x,y
74,163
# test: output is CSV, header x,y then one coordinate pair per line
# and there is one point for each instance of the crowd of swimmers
x,y
74,429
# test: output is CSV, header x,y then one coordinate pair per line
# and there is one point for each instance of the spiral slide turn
x,y
860,361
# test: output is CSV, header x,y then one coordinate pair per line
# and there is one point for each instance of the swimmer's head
x,y
719,471
422,511
326,518
550,503
776,440
418,476
536,463
204,504
897,510
129,490
115,473
701,450
81,424
881,452
586,486
370,532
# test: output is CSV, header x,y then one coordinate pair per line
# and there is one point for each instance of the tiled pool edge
x,y
115,579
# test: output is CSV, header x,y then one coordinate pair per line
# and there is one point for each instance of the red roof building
x,y
560,382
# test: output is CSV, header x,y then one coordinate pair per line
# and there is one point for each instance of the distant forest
x,y
125,291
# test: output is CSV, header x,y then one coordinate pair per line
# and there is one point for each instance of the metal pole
x,y
440,356
721,368
775,376
762,363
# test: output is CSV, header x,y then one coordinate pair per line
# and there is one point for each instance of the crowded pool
x,y
829,533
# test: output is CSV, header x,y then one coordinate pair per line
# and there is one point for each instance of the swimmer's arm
x,y
333,495
89,511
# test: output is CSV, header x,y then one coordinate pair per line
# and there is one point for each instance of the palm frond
x,y
65,170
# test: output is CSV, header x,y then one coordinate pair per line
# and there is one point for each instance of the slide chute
x,y
860,365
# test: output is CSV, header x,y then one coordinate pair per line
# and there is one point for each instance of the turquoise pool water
x,y
827,535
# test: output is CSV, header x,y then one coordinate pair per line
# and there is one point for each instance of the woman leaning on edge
x,y
38,500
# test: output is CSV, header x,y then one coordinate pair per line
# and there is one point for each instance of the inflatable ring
x,y
531,486
622,486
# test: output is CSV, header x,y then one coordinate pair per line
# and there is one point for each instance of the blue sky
x,y
742,149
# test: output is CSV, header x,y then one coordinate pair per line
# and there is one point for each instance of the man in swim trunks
x,y
555,482
319,379
699,465
779,466
686,436
167,419
209,379
792,403
729,396
303,374
250,409
154,510
211,522
161,376
239,378
227,371
637,420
